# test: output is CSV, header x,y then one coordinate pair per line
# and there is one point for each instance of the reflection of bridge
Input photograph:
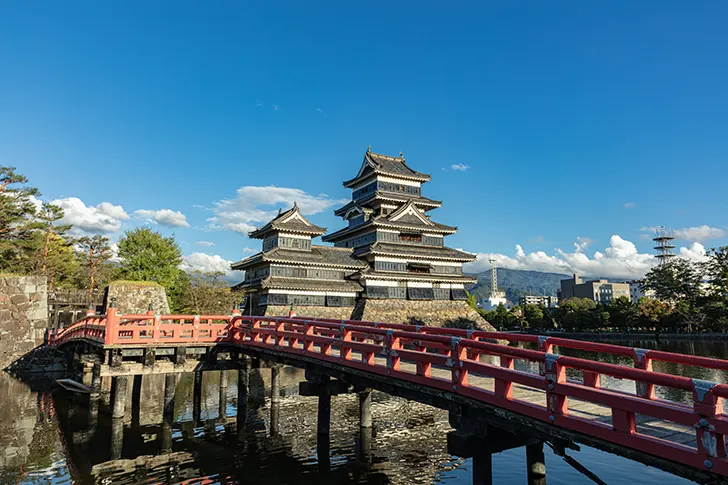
x,y
495,399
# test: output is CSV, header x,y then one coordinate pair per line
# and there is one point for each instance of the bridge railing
x,y
452,363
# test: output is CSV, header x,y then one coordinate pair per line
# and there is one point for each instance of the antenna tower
x,y
663,244
493,279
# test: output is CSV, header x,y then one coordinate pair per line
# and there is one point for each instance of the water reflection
x,y
180,428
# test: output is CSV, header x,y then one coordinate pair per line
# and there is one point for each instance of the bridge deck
x,y
607,403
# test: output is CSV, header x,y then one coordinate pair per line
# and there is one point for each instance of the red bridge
x,y
479,376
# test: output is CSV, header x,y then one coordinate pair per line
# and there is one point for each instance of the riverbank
x,y
604,336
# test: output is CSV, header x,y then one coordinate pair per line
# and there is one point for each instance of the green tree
x,y
652,312
207,294
575,315
95,252
533,316
622,313
17,211
146,255
676,280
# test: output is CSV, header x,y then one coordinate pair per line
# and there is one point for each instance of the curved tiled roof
x,y
434,277
388,196
386,165
289,221
319,255
438,252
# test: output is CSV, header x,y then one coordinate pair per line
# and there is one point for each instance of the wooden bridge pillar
x,y
117,438
242,395
95,396
482,467
275,397
365,409
136,399
118,401
536,464
364,448
197,399
170,387
222,403
323,425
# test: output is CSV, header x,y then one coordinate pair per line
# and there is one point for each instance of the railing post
x,y
504,388
642,361
344,350
112,324
707,405
458,354
393,345
277,338
424,369
545,347
308,333
555,374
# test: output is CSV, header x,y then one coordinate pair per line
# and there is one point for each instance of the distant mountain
x,y
517,283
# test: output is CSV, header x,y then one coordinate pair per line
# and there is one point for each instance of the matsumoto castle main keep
x,y
389,263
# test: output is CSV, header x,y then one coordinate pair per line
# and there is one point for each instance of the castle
x,y
389,263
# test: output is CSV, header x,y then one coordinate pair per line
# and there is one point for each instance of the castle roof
x,y
402,276
282,283
381,196
318,256
415,251
376,163
289,221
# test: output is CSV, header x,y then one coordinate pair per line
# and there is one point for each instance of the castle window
x,y
410,237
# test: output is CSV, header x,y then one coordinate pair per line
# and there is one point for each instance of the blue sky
x,y
573,122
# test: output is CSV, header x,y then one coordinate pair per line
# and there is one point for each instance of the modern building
x,y
601,291
389,263
389,228
539,300
291,271
636,291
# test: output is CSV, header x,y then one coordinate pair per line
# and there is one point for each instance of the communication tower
x,y
663,244
496,297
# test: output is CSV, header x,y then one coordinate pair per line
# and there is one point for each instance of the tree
x,y
146,255
575,313
533,315
47,221
96,251
622,313
678,279
17,210
716,268
207,294
652,312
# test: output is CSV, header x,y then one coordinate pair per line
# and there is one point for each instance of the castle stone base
x,y
135,297
333,312
434,313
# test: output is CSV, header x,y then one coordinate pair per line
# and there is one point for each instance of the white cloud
x,y
629,205
255,205
165,217
699,233
207,263
621,260
582,243
205,243
102,218
696,252
460,167
250,250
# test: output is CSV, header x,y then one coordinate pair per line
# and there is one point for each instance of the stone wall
x,y
434,313
333,312
135,297
23,316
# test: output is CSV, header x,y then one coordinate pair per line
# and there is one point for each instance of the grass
x,y
11,275
133,283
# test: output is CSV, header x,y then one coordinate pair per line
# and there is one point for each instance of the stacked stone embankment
x,y
23,316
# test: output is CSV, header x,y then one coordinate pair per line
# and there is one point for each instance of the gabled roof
x,y
318,256
282,283
409,213
289,221
385,165
381,196
406,224
415,251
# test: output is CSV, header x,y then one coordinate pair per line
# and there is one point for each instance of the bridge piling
x,y
222,403
536,463
118,405
242,395
197,398
275,397
117,438
95,396
482,467
170,388
365,409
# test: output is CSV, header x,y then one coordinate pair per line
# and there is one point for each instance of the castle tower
x,y
290,271
388,226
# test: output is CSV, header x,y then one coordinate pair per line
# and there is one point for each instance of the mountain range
x,y
517,283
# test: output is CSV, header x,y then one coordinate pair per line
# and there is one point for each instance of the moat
x,y
49,436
